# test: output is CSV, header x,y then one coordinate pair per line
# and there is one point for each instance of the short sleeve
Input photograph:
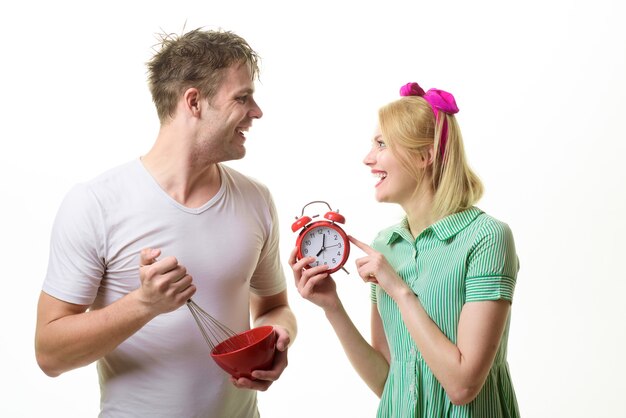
x,y
76,264
492,264
269,277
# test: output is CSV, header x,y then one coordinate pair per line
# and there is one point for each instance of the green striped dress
x,y
465,257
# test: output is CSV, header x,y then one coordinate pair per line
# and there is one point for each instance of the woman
x,y
442,279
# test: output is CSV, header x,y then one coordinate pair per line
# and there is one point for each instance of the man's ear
x,y
191,99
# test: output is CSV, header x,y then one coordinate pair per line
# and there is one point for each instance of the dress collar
x,y
443,229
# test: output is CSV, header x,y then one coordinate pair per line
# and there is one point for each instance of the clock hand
x,y
323,248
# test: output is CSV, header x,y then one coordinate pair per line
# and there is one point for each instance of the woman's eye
x,y
381,144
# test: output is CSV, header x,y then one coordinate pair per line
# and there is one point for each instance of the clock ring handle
x,y
315,201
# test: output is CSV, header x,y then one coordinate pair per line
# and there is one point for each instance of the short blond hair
x,y
409,130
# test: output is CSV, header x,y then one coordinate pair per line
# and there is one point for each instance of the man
x,y
196,227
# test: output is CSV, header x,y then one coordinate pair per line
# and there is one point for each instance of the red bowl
x,y
250,350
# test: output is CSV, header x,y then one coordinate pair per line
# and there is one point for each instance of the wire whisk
x,y
214,332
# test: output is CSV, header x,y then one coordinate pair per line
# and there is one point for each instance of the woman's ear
x,y
427,157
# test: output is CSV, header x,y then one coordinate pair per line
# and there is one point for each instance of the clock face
x,y
328,243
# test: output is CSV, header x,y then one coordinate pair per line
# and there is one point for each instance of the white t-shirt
x,y
230,248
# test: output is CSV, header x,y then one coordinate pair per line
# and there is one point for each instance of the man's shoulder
x,y
241,180
119,171
112,181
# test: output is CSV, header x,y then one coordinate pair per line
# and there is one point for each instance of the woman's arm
x,y
461,368
317,286
371,362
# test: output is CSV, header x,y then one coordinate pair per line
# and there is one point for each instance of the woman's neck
x,y
418,210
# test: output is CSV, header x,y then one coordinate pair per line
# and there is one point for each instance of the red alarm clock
x,y
323,239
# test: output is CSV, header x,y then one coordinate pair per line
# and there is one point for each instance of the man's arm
x,y
271,310
274,310
69,336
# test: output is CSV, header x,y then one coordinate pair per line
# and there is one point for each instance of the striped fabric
x,y
465,257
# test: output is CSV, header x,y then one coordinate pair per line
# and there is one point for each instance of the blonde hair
x,y
409,130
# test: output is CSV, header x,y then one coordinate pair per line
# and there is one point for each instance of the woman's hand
x,y
374,268
314,284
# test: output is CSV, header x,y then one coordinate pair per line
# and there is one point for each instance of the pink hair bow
x,y
438,100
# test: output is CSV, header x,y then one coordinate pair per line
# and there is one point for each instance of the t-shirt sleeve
x,y
75,263
269,278
492,265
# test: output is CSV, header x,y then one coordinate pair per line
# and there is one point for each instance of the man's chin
x,y
241,154
236,155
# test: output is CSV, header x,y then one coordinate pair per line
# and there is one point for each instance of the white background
x,y
540,85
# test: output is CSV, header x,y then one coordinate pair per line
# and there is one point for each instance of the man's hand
x,y
165,284
263,379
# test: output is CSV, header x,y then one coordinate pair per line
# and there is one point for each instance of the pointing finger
x,y
363,246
